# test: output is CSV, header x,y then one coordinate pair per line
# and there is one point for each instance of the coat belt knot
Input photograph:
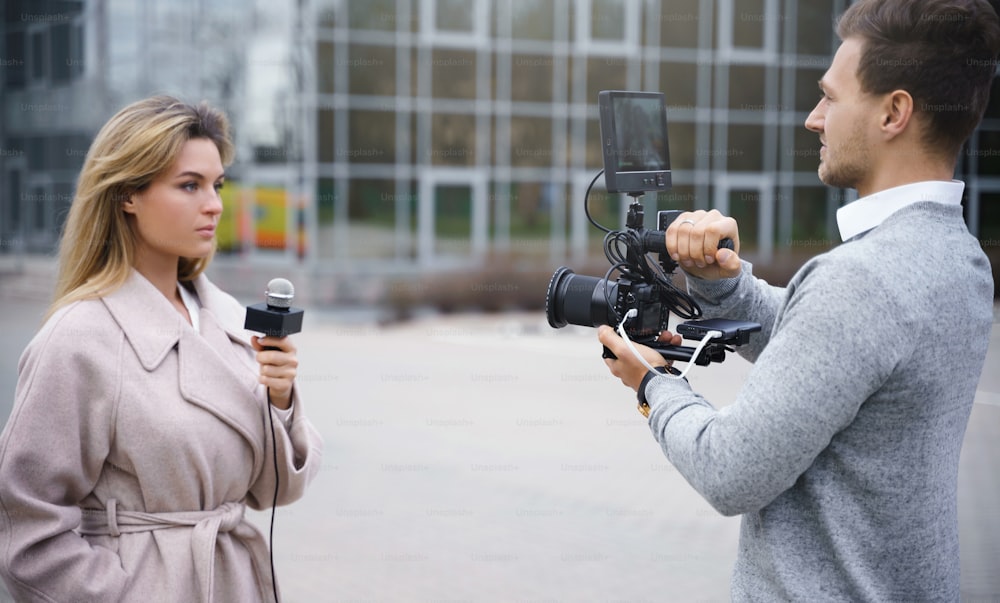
x,y
206,525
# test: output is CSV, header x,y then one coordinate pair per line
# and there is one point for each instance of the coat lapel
x,y
150,324
229,315
212,373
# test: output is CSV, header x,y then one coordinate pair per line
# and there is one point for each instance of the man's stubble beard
x,y
848,164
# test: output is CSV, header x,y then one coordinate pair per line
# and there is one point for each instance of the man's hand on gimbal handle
x,y
698,242
623,364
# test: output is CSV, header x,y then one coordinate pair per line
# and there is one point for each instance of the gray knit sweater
x,y
841,450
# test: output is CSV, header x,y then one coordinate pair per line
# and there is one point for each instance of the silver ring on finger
x,y
688,221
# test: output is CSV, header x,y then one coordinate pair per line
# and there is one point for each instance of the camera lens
x,y
578,300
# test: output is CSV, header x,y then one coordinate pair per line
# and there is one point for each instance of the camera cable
x,y
635,352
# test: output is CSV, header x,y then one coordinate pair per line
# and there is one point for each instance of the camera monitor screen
x,y
634,141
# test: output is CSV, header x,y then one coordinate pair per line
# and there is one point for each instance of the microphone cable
x,y
274,500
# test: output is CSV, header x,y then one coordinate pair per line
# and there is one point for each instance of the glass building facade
x,y
404,135
68,65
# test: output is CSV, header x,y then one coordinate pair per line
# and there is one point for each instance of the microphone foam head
x,y
279,293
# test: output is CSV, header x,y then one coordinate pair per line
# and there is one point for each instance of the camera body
x,y
648,295
644,296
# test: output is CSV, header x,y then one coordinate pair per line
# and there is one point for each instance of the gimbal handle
x,y
713,352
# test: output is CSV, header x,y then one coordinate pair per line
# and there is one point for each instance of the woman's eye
x,y
219,186
190,186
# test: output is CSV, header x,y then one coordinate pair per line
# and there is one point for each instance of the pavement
x,y
492,458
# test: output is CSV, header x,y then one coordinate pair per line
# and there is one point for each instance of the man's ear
x,y
897,112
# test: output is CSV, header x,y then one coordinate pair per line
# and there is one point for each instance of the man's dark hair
x,y
943,52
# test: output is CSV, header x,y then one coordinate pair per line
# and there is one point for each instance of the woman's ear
x,y
129,201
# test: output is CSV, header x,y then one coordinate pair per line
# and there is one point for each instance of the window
x,y
593,158
807,92
530,141
747,89
372,202
815,27
326,197
809,219
746,148
748,24
749,30
610,27
325,141
38,65
372,70
531,78
607,20
372,137
15,72
679,23
989,222
373,14
454,22
806,151
455,15
325,67
60,56
679,197
453,139
744,207
530,205
987,154
606,210
679,84
605,73
682,145
453,74
452,216
11,220
533,20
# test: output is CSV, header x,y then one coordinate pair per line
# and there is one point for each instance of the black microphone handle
x,y
266,320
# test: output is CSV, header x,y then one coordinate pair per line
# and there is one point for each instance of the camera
x,y
636,158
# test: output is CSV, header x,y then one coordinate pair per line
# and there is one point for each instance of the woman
x,y
139,432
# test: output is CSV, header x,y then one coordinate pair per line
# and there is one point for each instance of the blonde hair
x,y
97,250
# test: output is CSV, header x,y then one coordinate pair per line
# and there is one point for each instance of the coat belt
x,y
206,525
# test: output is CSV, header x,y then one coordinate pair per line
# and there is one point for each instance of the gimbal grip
x,y
655,241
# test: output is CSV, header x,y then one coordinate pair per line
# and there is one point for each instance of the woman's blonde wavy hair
x,y
97,250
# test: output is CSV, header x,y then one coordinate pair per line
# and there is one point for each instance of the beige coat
x,y
134,445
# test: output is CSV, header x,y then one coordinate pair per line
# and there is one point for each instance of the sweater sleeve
x,y
52,452
808,383
744,297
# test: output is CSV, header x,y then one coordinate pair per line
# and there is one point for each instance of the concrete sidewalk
x,y
491,458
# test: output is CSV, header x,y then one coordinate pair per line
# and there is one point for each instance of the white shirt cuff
x,y
285,414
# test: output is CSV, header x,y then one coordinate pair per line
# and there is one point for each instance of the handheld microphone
x,y
275,317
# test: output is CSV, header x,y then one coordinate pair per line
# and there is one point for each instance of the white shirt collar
x,y
192,304
868,212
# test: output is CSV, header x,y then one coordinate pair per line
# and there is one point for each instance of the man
x,y
841,450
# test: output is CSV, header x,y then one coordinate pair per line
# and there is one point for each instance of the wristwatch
x,y
641,392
